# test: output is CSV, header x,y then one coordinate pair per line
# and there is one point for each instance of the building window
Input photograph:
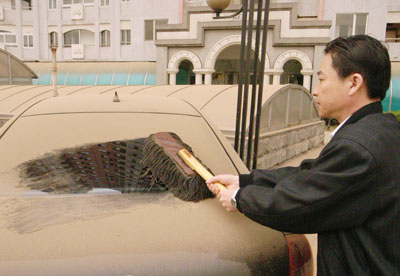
x,y
149,30
52,4
78,37
53,39
71,37
351,24
105,3
8,39
26,4
292,72
70,2
105,38
393,32
28,40
11,39
185,74
125,37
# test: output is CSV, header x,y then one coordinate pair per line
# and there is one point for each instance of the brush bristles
x,y
162,165
115,165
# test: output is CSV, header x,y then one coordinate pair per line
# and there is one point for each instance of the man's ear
x,y
356,81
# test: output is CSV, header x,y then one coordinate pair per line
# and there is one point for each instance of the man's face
x,y
330,93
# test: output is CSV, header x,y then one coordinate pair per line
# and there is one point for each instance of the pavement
x,y
311,154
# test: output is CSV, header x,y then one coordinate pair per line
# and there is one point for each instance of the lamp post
x,y
54,69
53,46
261,26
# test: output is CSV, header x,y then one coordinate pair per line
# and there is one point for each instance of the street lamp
x,y
218,5
53,47
248,10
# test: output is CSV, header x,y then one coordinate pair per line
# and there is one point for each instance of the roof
x,y
20,72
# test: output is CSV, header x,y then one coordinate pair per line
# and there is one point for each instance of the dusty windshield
x,y
74,153
113,165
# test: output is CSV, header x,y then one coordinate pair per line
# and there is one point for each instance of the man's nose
x,y
314,92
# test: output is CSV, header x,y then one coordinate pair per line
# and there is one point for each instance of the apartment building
x,y
179,41
93,30
93,33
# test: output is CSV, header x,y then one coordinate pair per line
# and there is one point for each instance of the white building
x,y
95,30
182,38
203,50
89,31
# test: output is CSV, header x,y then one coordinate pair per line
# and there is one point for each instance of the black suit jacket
x,y
349,195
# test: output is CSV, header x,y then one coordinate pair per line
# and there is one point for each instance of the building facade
x,y
204,50
182,39
88,30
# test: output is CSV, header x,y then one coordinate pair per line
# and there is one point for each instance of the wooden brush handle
x,y
195,165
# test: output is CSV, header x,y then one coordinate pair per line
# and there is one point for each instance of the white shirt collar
x,y
339,126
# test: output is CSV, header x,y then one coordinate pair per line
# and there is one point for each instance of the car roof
x,y
106,103
217,102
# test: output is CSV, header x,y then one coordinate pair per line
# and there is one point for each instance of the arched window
x,y
53,39
185,74
227,66
69,2
291,72
78,37
105,38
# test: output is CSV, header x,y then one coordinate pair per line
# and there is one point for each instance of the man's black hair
x,y
364,55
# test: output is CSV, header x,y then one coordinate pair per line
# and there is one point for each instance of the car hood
x,y
131,234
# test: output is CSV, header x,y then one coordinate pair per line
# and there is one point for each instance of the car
x,y
93,217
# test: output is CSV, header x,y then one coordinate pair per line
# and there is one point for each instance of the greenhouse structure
x,y
13,70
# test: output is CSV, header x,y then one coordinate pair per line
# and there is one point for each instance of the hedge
x,y
397,114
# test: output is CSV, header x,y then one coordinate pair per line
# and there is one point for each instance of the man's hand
x,y
232,184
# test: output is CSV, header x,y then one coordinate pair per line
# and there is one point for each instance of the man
x,y
350,194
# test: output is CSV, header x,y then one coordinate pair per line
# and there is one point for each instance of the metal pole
x,y
243,94
254,85
9,70
390,96
261,85
54,70
247,75
240,79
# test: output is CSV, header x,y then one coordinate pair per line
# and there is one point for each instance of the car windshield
x,y
115,165
79,152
